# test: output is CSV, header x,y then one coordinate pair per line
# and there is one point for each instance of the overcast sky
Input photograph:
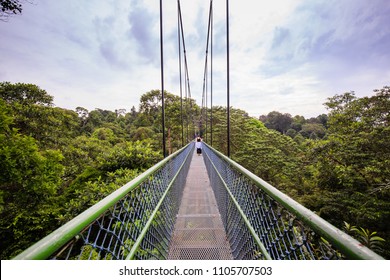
x,y
288,56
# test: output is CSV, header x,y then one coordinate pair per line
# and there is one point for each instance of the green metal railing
x,y
134,222
263,223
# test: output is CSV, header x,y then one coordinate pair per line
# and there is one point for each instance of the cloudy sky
x,y
288,56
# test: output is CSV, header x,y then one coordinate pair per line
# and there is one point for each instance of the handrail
x,y
44,248
347,245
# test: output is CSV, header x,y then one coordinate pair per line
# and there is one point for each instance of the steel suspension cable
x,y
228,77
205,74
180,76
162,78
184,50
187,77
211,78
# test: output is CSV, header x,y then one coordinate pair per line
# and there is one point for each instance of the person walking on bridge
x,y
198,146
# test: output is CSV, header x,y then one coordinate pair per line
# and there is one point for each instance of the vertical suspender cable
x,y
186,75
187,107
205,75
206,108
228,77
162,78
211,78
180,78
207,53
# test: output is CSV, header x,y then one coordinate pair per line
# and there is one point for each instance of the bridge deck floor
x,y
199,232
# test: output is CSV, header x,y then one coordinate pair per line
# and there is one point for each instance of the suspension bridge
x,y
197,207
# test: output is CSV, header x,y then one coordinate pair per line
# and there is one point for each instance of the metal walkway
x,y
199,232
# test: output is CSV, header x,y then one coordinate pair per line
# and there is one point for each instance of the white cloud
x,y
285,55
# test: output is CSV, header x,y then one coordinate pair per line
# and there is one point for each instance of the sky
x,y
286,56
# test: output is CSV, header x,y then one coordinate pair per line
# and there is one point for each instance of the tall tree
x,y
35,115
277,121
25,94
150,115
29,183
267,153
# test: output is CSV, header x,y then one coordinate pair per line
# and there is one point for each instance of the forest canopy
x,y
55,163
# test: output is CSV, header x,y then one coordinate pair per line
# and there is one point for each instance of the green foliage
x,y
313,128
357,151
105,134
89,253
29,183
91,189
366,237
336,165
35,116
352,165
130,155
55,163
270,155
142,133
150,117
277,121
24,94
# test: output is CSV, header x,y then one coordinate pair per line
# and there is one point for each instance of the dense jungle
x,y
55,162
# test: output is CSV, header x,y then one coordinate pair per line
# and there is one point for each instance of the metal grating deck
x,y
199,233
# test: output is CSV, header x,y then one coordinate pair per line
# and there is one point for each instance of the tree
x,y
267,153
359,136
150,116
291,132
278,121
29,183
129,155
8,8
34,115
24,94
310,129
353,163
297,122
